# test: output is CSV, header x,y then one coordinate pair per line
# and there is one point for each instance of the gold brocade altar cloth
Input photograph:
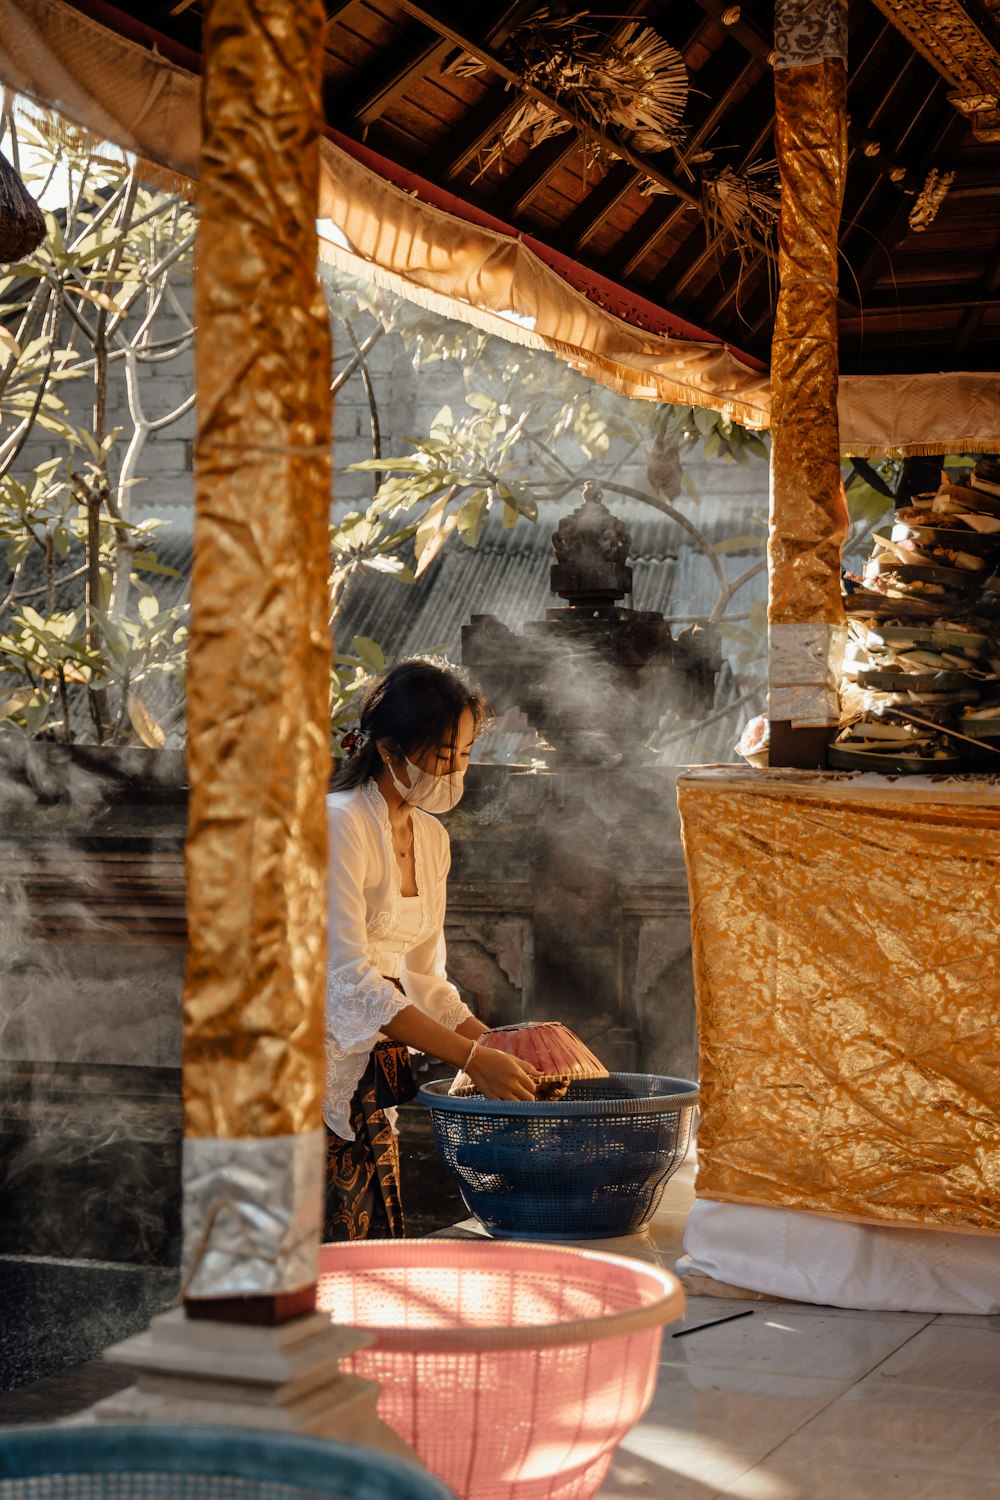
x,y
846,947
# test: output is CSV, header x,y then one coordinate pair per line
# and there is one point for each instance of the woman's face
x,y
439,760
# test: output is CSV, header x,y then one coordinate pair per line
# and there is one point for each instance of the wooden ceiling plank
x,y
589,215
633,247
335,9
894,223
477,132
373,90
531,176
969,326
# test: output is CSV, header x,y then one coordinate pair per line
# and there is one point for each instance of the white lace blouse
x,y
373,939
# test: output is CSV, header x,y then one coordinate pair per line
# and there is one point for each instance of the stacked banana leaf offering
x,y
922,666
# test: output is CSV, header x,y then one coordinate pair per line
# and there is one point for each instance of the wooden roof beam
x,y
633,247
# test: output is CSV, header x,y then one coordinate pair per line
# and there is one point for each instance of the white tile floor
x,y
811,1403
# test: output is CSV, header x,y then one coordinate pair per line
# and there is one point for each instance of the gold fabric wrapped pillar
x,y
258,739
808,520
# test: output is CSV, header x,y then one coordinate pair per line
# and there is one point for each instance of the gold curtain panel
x,y
847,977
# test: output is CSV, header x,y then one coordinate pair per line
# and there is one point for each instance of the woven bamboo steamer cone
x,y
557,1054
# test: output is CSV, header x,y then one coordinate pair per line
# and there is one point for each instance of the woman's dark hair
x,y
414,705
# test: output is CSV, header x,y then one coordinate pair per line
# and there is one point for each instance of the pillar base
x,y
803,749
285,1378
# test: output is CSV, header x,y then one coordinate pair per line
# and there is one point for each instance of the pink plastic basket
x,y
513,1370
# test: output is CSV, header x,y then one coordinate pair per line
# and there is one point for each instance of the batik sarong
x,y
362,1176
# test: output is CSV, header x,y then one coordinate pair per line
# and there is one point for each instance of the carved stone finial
x,y
591,547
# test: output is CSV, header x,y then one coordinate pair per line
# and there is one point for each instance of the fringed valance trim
x,y
974,444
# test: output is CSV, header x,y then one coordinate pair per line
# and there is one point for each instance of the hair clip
x,y
353,742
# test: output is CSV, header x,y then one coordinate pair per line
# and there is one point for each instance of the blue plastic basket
x,y
590,1166
199,1463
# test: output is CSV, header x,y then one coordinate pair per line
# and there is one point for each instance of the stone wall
x,y
566,901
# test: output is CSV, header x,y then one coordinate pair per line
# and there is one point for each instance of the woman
x,y
387,989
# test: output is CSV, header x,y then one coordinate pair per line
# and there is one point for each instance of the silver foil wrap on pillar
x,y
253,1212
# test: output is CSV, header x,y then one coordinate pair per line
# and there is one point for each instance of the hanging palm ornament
x,y
22,224
634,81
742,207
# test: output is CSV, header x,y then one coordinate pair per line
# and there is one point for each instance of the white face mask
x,y
433,794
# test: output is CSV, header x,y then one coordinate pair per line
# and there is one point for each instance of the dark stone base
x,y
56,1314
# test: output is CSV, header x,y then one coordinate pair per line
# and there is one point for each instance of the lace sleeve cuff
x,y
453,1012
357,1008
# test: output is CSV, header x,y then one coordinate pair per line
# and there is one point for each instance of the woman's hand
x,y
497,1075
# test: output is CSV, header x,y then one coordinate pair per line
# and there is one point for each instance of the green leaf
x,y
409,464
688,485
146,727
471,518
100,299
706,421
147,562
16,702
520,498
435,542
444,423
738,635
35,714
369,651
54,237
393,565
864,503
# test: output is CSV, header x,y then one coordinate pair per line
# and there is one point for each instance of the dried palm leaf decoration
x,y
742,207
22,224
635,81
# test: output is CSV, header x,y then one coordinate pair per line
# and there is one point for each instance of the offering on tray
x,y
556,1053
981,721
754,744
922,633
875,744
